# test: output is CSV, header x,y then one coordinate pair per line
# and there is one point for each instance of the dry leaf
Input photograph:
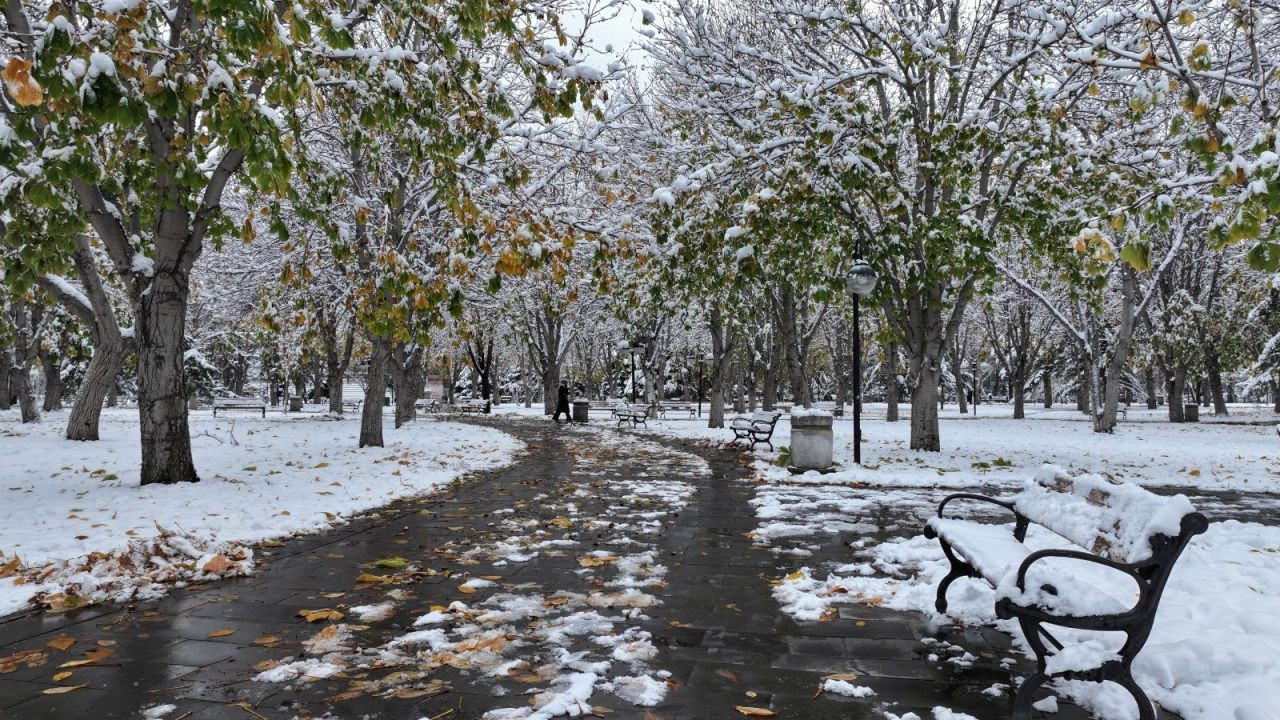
x,y
90,657
224,632
588,562
217,565
63,689
62,642
62,676
754,711
727,674
24,89
320,615
30,658
266,640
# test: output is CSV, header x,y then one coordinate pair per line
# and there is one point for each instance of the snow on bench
x,y
635,414
239,403
756,427
1127,534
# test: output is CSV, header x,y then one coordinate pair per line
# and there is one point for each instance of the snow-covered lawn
x,y
63,501
1212,653
993,448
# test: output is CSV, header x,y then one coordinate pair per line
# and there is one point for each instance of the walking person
x,y
562,403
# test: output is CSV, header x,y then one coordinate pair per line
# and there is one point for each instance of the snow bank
x,y
69,510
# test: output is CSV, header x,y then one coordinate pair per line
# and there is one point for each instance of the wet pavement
x,y
590,553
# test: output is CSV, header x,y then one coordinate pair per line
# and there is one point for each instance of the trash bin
x,y
810,439
295,403
581,409
1190,412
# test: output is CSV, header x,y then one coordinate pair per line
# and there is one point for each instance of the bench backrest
x,y
1119,521
769,417
236,401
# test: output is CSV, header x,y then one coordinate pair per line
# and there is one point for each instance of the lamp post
x,y
633,351
859,282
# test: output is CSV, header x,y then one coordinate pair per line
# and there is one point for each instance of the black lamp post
x,y
634,350
859,282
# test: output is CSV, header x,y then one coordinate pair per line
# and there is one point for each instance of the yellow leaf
x,y
588,562
754,711
222,633
797,575
62,676
24,89
64,689
312,616
266,640
374,579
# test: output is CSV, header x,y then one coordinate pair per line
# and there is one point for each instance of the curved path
x,y
601,570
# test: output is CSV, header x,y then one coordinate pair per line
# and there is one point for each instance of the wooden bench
x,y
756,427
634,414
473,406
677,407
1123,529
602,406
239,403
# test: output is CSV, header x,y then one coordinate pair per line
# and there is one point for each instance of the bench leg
x,y
1146,711
1026,695
959,569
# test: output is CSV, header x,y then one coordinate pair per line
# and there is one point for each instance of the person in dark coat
x,y
562,403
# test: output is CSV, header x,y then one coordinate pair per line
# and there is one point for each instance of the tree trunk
x,y
891,383
162,388
1047,378
20,382
1019,385
1177,384
374,391
1151,389
6,385
1215,385
722,345
99,381
406,373
924,409
51,366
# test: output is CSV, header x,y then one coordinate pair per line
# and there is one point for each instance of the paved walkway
x,y
599,561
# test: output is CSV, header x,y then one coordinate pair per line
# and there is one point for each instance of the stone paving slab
x,y
719,633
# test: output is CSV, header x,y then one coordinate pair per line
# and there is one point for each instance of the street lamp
x,y
858,282
633,351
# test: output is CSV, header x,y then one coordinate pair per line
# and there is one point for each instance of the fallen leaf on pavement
x,y
754,711
62,642
320,615
64,689
266,640
222,633
62,676
727,675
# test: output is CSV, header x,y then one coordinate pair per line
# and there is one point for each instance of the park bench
x,y
474,406
239,403
634,414
603,406
676,407
351,405
1125,532
756,427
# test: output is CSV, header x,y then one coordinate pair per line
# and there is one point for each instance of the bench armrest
x,y
1020,522
1039,555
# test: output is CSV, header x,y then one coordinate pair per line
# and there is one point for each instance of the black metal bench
x,y
477,407
634,414
756,427
239,403
1124,528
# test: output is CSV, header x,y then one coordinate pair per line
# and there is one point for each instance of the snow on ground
x,y
63,501
1211,655
1241,452
565,645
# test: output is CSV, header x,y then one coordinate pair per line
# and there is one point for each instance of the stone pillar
x,y
810,439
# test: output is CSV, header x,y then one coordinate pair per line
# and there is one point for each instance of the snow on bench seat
x,y
993,551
